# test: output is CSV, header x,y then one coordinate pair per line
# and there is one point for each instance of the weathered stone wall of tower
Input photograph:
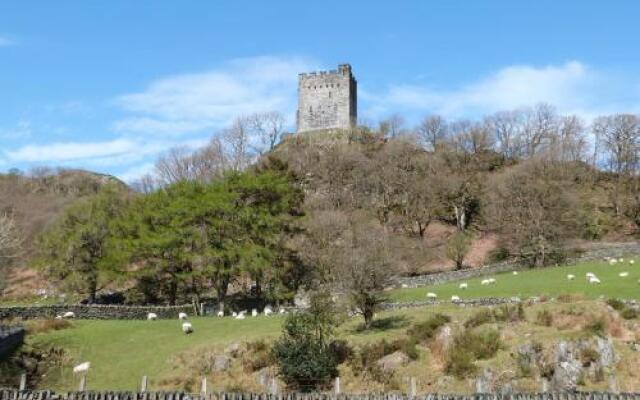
x,y
327,99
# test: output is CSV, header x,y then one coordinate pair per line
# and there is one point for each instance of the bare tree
x,y
236,140
10,242
433,131
393,126
540,126
506,128
269,127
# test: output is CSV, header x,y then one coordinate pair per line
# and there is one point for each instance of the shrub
x,y
616,304
305,360
498,255
257,356
46,325
589,356
364,361
424,331
469,346
341,350
629,313
596,327
544,318
480,318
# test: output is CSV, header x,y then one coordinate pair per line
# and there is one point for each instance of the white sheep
x,y
182,316
283,311
463,285
621,260
220,313
404,286
623,274
590,275
69,314
515,272
187,327
58,316
82,368
594,280
632,262
613,261
152,316
571,277
485,282
492,281
432,295
455,298
234,314
254,313
268,311
240,316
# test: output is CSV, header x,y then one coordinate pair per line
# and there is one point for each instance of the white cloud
x,y
211,99
6,42
21,130
572,87
58,152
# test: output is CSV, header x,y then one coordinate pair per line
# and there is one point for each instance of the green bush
x,y
482,317
305,359
364,360
616,304
505,313
468,346
425,331
629,313
498,255
596,327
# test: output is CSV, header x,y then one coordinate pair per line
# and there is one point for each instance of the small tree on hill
x,y
303,352
457,248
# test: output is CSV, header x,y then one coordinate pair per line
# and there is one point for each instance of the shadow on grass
x,y
383,324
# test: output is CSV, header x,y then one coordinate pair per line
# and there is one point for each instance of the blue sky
x,y
110,85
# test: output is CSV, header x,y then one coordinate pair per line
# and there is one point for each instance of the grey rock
x,y
393,361
234,350
220,363
484,382
607,353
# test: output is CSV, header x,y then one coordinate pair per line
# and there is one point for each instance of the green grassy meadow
x,y
550,281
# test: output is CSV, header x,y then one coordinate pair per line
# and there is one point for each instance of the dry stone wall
x,y
49,395
94,311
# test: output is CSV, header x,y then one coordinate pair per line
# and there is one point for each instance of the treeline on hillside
x,y
180,242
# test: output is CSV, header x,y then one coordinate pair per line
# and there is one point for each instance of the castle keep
x,y
327,99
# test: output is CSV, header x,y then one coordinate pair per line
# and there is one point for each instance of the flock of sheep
x,y
187,327
591,278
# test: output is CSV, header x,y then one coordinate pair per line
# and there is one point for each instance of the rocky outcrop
x,y
392,361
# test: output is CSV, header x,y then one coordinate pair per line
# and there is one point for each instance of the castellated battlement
x,y
327,99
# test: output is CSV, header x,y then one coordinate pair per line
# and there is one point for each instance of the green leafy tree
x,y
303,351
73,250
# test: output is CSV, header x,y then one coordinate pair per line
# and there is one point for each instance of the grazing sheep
x,y
613,261
240,316
621,260
234,314
571,277
404,286
187,327
182,316
69,314
152,316
590,275
82,368
485,282
515,272
431,295
455,298
58,316
623,274
594,280
463,285
220,313
492,281
282,311
268,311
632,262
254,313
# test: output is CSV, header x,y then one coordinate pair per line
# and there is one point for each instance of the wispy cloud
x,y
6,41
572,87
211,99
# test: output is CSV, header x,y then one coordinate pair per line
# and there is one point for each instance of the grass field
x,y
548,281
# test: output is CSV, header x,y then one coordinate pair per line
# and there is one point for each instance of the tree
x,y
269,127
303,351
73,250
10,241
457,248
433,131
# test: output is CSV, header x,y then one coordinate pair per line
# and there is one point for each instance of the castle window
x,y
329,94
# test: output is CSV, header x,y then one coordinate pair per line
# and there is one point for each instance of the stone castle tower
x,y
327,99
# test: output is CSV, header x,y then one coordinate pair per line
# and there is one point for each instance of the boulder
x,y
393,361
234,350
604,347
220,363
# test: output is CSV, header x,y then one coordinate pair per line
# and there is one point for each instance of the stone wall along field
x,y
94,311
49,395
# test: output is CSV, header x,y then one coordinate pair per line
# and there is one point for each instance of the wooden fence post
x,y
336,386
203,387
143,384
83,383
412,389
23,381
